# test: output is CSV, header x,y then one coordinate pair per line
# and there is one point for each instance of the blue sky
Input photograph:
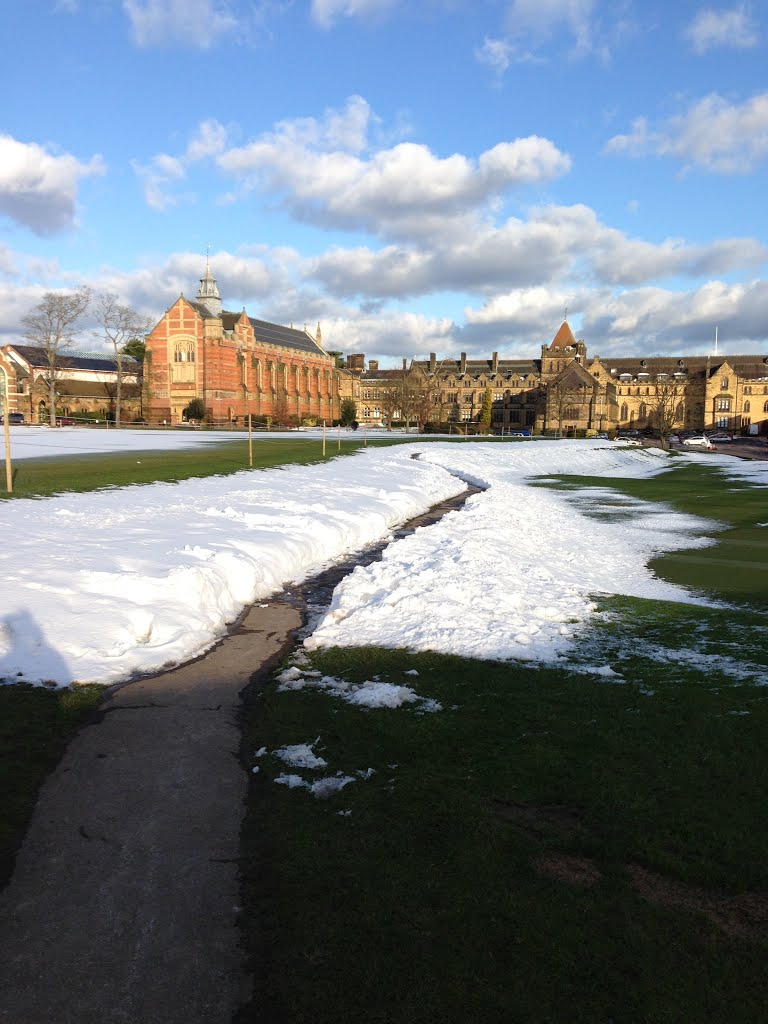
x,y
436,175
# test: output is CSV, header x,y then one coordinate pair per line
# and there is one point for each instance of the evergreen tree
x,y
348,412
486,412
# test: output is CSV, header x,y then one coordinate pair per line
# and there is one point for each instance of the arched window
x,y
642,412
746,407
765,407
625,411
724,384
679,412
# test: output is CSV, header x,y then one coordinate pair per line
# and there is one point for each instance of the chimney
x,y
495,362
356,362
432,362
463,362
373,366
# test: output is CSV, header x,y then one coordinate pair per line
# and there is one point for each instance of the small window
x,y
724,384
746,407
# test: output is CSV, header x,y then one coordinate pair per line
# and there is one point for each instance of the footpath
x,y
123,905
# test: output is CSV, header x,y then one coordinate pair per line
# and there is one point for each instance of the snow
x,y
105,586
513,574
301,755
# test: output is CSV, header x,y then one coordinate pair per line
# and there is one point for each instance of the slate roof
x,y
268,333
692,366
36,357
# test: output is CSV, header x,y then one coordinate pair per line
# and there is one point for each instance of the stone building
x,y
235,365
564,392
85,386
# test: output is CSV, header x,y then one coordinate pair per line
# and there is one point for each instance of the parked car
x,y
673,439
630,440
720,437
14,418
699,441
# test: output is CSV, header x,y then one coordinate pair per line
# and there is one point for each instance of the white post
x,y
7,432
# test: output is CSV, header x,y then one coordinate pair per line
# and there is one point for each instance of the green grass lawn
x,y
551,845
45,476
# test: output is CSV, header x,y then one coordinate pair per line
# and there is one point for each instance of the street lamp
x,y
7,432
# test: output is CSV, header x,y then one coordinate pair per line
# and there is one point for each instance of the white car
x,y
701,441
720,438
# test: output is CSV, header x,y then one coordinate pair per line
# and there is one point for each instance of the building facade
x,y
566,393
85,386
235,366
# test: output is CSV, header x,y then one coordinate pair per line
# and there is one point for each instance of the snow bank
x,y
98,587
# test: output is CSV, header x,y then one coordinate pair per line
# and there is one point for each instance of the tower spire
x,y
208,295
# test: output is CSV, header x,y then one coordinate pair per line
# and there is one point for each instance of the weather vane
x,y
565,314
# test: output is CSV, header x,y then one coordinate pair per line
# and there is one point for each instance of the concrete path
x,y
123,905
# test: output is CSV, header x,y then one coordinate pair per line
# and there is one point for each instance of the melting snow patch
x,y
382,695
324,788
370,694
291,781
301,755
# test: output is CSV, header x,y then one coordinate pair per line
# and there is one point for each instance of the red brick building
x,y
235,365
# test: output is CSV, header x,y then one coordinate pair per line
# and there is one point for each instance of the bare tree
x,y
565,398
119,325
391,400
665,405
51,326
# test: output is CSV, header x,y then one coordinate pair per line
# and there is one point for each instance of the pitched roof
x,y
268,333
564,337
37,357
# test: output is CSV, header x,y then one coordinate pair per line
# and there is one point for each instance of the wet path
x,y
123,905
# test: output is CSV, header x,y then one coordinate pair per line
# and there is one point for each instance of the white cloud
x,y
541,18
326,12
711,28
496,54
38,188
555,244
197,23
162,171
713,134
326,176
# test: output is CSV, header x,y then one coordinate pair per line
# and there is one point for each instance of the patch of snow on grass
x,y
301,755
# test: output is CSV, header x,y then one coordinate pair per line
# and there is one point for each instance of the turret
x,y
208,295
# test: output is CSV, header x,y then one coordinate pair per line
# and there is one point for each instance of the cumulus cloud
x,y
326,174
196,23
554,243
733,27
713,134
38,187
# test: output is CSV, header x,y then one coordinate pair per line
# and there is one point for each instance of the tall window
x,y
724,384
624,412
746,407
